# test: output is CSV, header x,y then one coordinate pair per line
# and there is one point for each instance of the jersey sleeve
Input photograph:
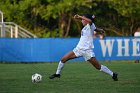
x,y
93,27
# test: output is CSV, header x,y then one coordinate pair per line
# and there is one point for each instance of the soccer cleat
x,y
115,77
55,76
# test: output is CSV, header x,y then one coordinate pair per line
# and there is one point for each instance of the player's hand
x,y
76,16
101,36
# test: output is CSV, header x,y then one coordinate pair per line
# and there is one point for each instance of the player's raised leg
x,y
66,57
103,68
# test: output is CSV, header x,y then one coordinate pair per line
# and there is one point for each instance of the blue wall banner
x,y
52,49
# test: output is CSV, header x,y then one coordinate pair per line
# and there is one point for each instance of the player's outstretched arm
x,y
99,33
82,17
100,30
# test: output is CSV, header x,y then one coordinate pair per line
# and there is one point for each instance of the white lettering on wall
x,y
107,45
124,47
136,47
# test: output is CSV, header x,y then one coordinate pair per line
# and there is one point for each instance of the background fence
x,y
52,49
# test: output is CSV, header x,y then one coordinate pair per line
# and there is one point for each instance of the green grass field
x,y
77,77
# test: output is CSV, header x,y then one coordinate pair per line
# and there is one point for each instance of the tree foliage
x,y
129,12
54,18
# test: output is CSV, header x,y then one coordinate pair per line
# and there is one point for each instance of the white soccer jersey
x,y
86,39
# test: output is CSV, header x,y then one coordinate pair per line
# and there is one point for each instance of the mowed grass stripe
x,y
77,77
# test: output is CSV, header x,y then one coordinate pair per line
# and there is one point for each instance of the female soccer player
x,y
85,48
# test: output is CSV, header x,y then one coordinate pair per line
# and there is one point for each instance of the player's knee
x,y
95,63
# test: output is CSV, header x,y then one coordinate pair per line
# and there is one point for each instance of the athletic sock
x,y
106,70
59,68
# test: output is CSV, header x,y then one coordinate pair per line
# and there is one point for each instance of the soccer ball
x,y
36,78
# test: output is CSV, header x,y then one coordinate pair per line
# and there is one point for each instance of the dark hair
x,y
91,17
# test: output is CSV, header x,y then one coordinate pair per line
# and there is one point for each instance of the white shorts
x,y
87,54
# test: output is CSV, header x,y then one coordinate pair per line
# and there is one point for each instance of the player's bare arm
x,y
82,17
99,33
100,30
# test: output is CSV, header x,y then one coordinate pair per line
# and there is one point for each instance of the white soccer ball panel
x,y
36,78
